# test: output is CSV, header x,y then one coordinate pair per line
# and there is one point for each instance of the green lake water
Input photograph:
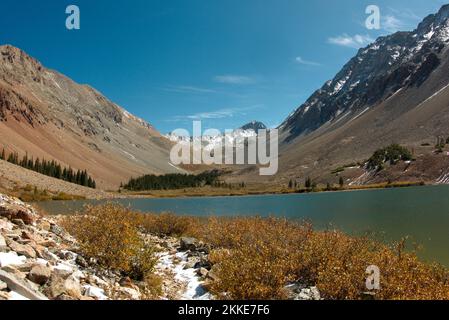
x,y
422,213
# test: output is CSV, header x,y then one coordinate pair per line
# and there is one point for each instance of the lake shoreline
x,y
193,193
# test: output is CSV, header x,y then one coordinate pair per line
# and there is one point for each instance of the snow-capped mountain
x,y
230,138
392,63
254,125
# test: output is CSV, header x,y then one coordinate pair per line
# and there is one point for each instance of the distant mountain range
x,y
254,125
47,115
210,142
395,90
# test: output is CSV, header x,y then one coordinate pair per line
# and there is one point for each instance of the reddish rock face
x,y
15,211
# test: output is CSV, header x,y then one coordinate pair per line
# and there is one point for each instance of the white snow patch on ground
x,y
11,259
129,155
14,296
172,165
432,96
194,286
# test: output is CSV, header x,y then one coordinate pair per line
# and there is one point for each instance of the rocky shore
x,y
39,260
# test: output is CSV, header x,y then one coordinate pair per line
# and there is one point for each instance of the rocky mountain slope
x,y
396,90
48,115
402,61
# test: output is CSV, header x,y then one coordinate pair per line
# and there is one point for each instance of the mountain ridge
x,y
395,90
46,114
403,59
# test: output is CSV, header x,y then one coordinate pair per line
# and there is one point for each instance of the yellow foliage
x,y
109,233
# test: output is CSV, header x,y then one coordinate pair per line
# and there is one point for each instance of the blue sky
x,y
224,62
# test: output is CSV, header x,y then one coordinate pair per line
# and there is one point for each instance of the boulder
x,y
213,273
16,211
11,269
81,261
3,246
39,274
95,292
129,293
297,291
56,230
18,222
4,295
126,282
59,286
20,286
44,225
63,270
26,267
23,249
202,272
5,225
3,285
188,244
47,255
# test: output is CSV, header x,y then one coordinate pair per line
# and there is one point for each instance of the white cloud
x,y
234,79
216,114
356,41
392,24
399,20
300,60
188,89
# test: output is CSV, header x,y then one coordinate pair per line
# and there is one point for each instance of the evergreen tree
x,y
308,183
341,182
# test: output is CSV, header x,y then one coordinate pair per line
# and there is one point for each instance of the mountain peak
x,y
15,58
398,61
254,125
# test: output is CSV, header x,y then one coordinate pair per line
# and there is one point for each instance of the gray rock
x,y
202,272
23,249
18,222
3,245
59,286
39,274
188,244
4,295
213,273
56,230
297,291
81,261
26,267
20,286
3,285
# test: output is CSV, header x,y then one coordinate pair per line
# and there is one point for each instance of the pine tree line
x,y
172,181
51,169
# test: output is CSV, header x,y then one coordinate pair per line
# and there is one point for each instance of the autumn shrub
x,y
255,263
109,233
168,224
256,258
